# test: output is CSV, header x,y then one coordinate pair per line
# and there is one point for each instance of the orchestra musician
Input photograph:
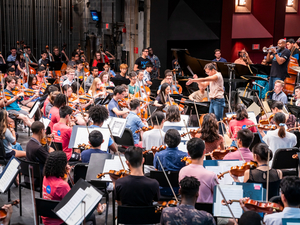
x,y
243,58
168,79
21,65
106,69
200,95
79,72
31,59
59,56
297,95
290,45
2,60
105,80
196,150
13,55
98,58
70,76
147,76
32,85
132,86
113,106
74,59
89,80
123,71
49,91
280,60
163,96
60,100
43,61
173,119
218,56
50,103
278,94
97,90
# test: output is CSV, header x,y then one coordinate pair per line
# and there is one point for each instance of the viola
x,y
119,174
186,159
219,154
171,203
46,139
264,207
84,146
143,129
239,170
3,213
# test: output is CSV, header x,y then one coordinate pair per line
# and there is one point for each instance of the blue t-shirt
x,y
221,60
14,105
134,123
113,104
86,154
110,141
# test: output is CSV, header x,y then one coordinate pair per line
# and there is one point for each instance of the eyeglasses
x,y
145,51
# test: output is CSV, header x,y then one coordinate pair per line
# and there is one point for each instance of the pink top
x,y
62,133
45,104
246,153
54,189
210,146
216,87
206,178
236,125
53,116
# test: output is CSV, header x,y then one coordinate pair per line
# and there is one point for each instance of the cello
x,y
289,82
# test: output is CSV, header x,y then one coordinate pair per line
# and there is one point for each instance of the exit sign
x,y
255,46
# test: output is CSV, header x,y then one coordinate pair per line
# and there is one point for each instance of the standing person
x,y
186,213
91,77
218,56
136,189
243,58
140,63
216,94
290,45
59,57
280,60
100,57
113,106
147,76
123,70
155,62
196,147
278,94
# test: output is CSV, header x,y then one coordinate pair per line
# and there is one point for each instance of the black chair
x,y
297,133
137,215
45,208
125,140
4,161
255,141
160,177
148,159
283,160
37,178
80,171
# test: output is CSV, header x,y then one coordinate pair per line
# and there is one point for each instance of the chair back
x,y
138,215
297,133
57,146
207,207
36,169
256,140
80,171
96,164
283,160
44,207
160,177
2,153
126,139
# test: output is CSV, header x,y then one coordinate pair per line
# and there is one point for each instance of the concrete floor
x,y
27,217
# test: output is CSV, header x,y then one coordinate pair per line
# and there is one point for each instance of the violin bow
x,y
197,114
31,178
268,177
187,129
117,146
167,178
3,92
262,107
223,196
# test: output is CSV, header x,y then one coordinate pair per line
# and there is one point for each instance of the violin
x,y
192,132
239,170
186,159
227,119
143,129
46,139
122,103
171,203
119,174
219,154
3,212
295,156
267,121
84,146
155,149
263,127
264,207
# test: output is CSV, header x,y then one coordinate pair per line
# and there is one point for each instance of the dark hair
x,y
3,123
280,119
119,90
172,138
40,69
195,147
173,114
75,86
144,49
290,187
55,164
149,64
37,126
52,88
250,218
217,50
18,57
60,100
246,137
74,54
210,129
66,87
30,79
134,155
98,114
95,138
64,111
189,187
94,68
132,74
262,149
210,66
134,104
241,112
162,92
291,40
13,48
297,87
278,105
9,79
167,71
11,70
160,117
44,52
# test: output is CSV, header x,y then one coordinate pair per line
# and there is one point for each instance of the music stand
x,y
110,88
100,66
107,99
51,80
246,101
55,66
118,82
176,96
3,68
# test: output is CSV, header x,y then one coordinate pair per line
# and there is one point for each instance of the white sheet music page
x,y
65,212
225,166
112,164
117,126
9,174
231,192
85,207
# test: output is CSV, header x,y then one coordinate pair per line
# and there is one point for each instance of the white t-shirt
x,y
152,138
172,125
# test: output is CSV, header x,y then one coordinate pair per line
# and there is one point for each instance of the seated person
x,y
173,119
155,137
134,122
91,77
70,77
290,196
132,86
147,72
8,136
244,58
163,97
278,94
186,213
250,218
196,147
106,68
113,107
9,210
99,114
49,90
97,90
79,72
169,80
59,101
50,103
123,71
136,189
95,140
200,95
244,140
259,174
105,80
62,132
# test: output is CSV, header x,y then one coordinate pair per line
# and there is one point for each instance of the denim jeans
x,y
217,107
272,82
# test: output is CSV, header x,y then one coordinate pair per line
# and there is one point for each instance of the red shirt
x,y
236,125
45,104
54,189
53,116
95,62
62,133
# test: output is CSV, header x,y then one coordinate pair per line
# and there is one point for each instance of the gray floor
x,y
27,217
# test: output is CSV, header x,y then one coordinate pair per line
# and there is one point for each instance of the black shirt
x,y
118,76
141,62
35,152
57,58
277,70
44,62
136,190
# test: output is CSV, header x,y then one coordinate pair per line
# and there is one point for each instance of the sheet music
x,y
112,164
225,166
254,108
84,208
117,126
182,147
65,212
116,158
104,125
9,174
45,121
33,110
231,192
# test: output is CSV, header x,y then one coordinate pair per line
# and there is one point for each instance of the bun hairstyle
x,y
280,119
241,112
210,66
262,149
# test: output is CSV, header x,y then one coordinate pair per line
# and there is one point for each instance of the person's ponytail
x,y
280,119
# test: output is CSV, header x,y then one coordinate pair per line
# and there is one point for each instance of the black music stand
x,y
176,96
202,107
3,68
295,110
106,100
51,80
246,101
100,66
56,66
260,69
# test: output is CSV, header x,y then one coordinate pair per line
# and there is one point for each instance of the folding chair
x,y
80,171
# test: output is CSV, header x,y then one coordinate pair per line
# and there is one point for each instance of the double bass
x,y
289,82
